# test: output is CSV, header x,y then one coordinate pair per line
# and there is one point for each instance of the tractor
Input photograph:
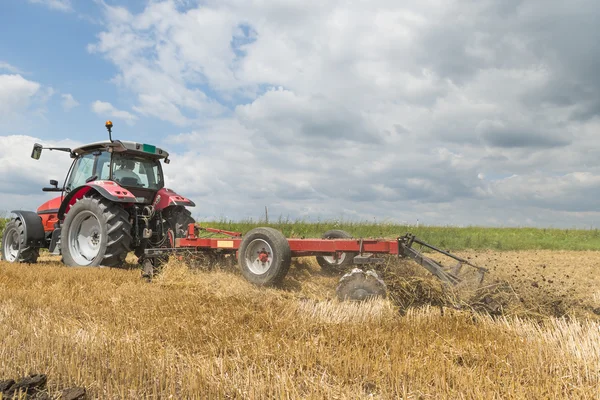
x,y
113,201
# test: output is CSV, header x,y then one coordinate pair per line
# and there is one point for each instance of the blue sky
x,y
387,110
50,46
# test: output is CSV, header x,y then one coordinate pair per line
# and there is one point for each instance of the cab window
x,y
82,170
135,171
103,166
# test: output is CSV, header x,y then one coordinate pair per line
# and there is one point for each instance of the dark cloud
x,y
514,138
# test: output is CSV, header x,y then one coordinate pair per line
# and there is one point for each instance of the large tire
x,y
14,244
178,218
346,260
96,232
264,256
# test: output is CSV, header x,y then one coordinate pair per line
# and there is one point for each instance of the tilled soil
x,y
536,283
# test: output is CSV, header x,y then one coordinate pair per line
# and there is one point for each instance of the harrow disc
x,y
359,285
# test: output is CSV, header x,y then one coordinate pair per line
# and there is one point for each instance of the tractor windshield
x,y
134,171
125,169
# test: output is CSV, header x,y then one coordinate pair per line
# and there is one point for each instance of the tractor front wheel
x,y
96,232
264,256
14,244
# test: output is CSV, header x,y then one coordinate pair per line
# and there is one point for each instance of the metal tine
x,y
457,268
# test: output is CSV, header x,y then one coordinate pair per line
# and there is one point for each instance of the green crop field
x,y
447,237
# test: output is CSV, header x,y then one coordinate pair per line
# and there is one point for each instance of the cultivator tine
x,y
457,268
481,274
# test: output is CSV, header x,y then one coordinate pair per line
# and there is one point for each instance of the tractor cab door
x,y
88,167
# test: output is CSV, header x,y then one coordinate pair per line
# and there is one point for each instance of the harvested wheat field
x,y
531,332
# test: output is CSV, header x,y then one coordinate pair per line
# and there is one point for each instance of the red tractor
x,y
113,201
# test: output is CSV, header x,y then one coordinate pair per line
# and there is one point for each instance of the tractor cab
x,y
133,166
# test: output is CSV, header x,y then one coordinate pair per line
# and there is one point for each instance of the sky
x,y
446,112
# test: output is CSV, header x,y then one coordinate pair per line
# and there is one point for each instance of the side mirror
x,y
54,188
37,151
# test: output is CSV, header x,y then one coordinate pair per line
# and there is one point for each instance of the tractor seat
x,y
127,181
126,177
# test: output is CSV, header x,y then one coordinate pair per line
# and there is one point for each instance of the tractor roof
x,y
142,149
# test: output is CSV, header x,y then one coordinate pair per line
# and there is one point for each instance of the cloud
x,y
106,109
152,57
21,185
449,112
4,66
23,103
60,5
388,109
18,98
68,102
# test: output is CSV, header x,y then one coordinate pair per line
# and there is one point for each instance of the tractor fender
x,y
107,189
167,197
33,228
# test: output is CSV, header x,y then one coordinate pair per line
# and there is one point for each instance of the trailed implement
x,y
264,256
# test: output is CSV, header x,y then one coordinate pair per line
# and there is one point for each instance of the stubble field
x,y
531,332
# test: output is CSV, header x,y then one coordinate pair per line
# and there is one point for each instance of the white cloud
x,y
450,112
4,66
387,109
16,95
21,188
68,102
106,109
60,5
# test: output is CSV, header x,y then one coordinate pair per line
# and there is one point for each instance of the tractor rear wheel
x,y
96,232
175,222
178,218
264,256
343,260
14,244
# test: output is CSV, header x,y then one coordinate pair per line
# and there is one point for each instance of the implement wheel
x,y
13,244
340,261
264,256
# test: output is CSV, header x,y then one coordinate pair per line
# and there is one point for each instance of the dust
x,y
530,284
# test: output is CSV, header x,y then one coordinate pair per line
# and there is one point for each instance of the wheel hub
x,y
263,256
94,240
11,245
85,238
259,256
336,258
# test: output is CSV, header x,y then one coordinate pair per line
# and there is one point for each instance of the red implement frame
x,y
299,247
363,249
